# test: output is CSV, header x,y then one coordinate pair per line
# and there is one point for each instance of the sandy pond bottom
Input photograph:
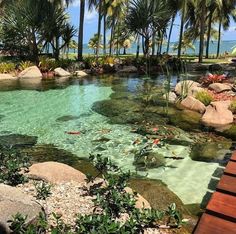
x,y
41,113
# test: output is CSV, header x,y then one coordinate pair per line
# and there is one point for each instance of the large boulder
x,y
218,87
32,72
218,114
81,73
192,103
4,76
186,87
141,202
61,72
128,69
13,201
55,173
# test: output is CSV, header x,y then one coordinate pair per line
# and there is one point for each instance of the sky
x,y
90,26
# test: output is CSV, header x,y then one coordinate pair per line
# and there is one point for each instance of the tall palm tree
x,y
81,31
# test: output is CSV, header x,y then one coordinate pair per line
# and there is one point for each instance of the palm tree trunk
x,y
111,40
219,38
104,33
170,33
161,44
138,47
181,30
99,26
153,44
202,31
209,35
81,30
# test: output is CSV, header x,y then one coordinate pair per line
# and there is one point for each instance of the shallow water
x,y
49,110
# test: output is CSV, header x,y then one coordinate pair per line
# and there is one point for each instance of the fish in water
x,y
73,133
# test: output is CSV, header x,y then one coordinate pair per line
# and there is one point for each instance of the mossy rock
x,y
17,141
151,160
211,151
186,120
230,133
115,107
127,118
122,95
157,194
162,110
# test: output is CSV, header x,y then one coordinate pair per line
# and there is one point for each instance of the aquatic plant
x,y
204,97
13,165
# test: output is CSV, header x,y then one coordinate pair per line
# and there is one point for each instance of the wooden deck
x,y
220,215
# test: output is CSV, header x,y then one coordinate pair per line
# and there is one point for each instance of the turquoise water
x,y
39,113
225,46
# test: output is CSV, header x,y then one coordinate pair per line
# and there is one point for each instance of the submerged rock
x,y
17,141
13,201
157,194
67,118
31,73
55,173
115,107
151,160
128,69
211,151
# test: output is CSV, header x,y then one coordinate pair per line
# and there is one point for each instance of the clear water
x,y
36,113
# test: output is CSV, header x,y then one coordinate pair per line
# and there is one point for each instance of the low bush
x,y
7,67
43,190
204,97
13,165
25,64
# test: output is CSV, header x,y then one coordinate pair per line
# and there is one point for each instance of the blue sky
x,y
90,27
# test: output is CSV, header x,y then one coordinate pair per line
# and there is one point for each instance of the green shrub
x,y
47,64
204,97
25,64
13,164
7,67
43,190
232,107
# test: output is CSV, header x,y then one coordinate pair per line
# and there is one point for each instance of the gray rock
x,y
7,77
215,67
13,201
61,72
81,73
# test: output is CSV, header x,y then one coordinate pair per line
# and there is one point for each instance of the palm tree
x,y
81,30
146,18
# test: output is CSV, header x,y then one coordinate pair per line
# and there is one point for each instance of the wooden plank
x,y
224,205
231,168
227,184
233,158
213,225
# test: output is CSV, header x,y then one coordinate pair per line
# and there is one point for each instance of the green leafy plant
x,y
7,67
60,227
204,97
232,107
174,217
19,225
25,64
13,165
43,190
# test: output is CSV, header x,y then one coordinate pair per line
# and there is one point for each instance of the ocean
x,y
226,46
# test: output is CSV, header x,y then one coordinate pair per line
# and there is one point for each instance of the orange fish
x,y
155,129
73,133
156,141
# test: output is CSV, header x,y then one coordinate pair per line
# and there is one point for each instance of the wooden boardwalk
x,y
220,215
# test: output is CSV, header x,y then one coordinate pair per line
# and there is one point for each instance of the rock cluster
x,y
217,114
